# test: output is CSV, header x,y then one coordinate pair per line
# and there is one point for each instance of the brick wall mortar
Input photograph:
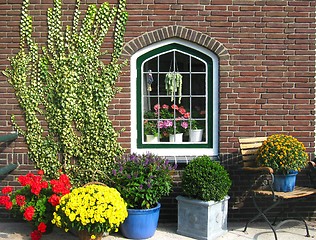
x,y
266,51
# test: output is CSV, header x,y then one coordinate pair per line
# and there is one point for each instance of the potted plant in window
x,y
174,129
286,156
195,132
173,121
202,213
151,131
150,127
142,180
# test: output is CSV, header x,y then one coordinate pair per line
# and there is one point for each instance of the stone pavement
x,y
256,231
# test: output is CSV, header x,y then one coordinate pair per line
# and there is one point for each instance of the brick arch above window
x,y
181,32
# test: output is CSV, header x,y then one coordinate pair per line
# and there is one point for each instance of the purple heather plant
x,y
143,179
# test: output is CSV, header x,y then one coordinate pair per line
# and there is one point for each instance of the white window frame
x,y
176,152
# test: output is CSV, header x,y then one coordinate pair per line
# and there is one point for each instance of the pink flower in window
x,y
165,106
174,106
184,125
157,107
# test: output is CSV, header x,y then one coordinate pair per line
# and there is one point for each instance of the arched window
x,y
174,99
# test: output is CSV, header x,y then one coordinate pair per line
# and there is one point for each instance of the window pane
x,y
162,88
182,63
198,107
198,86
165,62
152,65
186,84
187,89
197,65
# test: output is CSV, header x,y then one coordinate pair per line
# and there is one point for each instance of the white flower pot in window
x,y
151,138
195,135
176,137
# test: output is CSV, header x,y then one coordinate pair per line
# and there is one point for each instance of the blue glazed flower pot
x,y
284,183
141,223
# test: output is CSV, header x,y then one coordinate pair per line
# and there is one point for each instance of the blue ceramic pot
x,y
141,223
285,183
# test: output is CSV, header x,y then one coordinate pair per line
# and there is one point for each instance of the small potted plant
x,y
91,210
166,121
36,200
286,156
206,184
173,121
196,132
150,127
142,181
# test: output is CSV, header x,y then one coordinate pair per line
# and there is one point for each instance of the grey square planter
x,y
202,220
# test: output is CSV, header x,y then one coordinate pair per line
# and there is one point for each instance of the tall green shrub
x,y
65,89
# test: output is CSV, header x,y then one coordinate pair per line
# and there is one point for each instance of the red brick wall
x,y
266,74
267,85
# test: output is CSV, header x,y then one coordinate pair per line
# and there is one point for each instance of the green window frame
x,y
192,61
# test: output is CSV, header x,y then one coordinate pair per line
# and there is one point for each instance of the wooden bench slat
x,y
252,139
249,148
298,192
252,152
250,145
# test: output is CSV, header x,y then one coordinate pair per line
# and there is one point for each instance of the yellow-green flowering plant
x,y
93,208
283,153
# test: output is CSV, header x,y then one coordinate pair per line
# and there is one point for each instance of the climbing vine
x,y
65,90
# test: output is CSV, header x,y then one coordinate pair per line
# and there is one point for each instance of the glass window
x,y
174,98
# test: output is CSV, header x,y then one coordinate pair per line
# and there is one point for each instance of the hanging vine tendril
x,y
173,84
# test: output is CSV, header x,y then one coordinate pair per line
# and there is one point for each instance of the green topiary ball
x,y
205,179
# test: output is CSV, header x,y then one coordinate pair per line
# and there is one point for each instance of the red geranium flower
x,y
36,199
4,199
25,180
165,106
41,227
36,235
29,213
62,185
174,106
6,190
186,115
54,200
6,202
157,107
20,200
182,110
8,205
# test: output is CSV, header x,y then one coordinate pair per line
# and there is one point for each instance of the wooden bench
x,y
248,150
10,167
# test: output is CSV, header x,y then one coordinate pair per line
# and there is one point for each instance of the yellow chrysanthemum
x,y
282,153
91,206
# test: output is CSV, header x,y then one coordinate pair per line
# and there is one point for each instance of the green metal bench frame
x,y
10,167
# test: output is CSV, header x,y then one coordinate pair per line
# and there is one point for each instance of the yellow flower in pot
x,y
91,210
284,154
